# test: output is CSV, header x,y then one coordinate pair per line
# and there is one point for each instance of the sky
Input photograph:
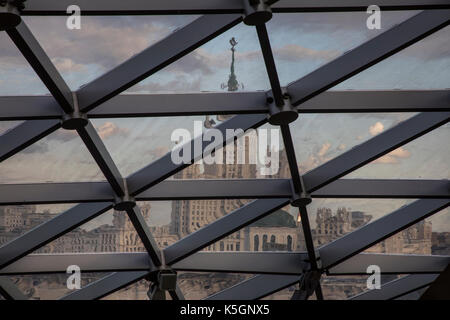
x,y
301,43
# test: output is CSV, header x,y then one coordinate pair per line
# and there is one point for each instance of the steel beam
x,y
398,287
144,233
81,192
153,59
24,135
244,262
368,54
88,262
216,189
221,228
9,290
181,104
391,264
40,62
49,193
105,286
384,188
376,147
160,7
256,288
354,242
29,108
102,157
164,167
213,103
50,230
232,262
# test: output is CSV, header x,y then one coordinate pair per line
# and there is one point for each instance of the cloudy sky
x,y
301,43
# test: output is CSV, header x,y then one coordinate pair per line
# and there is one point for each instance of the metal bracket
x,y
10,13
162,280
126,201
256,12
76,119
301,199
308,284
284,114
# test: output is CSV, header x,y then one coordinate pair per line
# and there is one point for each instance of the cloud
x,y
294,52
377,128
181,84
109,129
321,155
394,156
342,146
66,64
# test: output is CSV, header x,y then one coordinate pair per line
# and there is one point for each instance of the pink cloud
x,y
394,156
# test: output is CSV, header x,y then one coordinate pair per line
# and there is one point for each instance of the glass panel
x,y
285,294
110,232
429,236
330,219
302,42
59,157
136,142
199,285
422,66
135,291
50,286
16,75
423,158
208,68
17,220
319,138
101,44
345,287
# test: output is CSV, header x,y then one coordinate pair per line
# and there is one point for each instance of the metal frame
x,y
101,99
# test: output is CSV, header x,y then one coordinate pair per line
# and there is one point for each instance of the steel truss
x,y
276,270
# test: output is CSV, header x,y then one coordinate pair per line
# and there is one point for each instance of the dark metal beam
x,y
153,59
81,192
155,7
102,157
50,230
269,61
354,242
49,193
368,54
384,188
391,264
88,262
232,262
398,287
216,189
244,262
376,147
164,167
144,233
105,286
181,104
221,228
40,62
9,290
256,288
24,135
29,108
212,103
